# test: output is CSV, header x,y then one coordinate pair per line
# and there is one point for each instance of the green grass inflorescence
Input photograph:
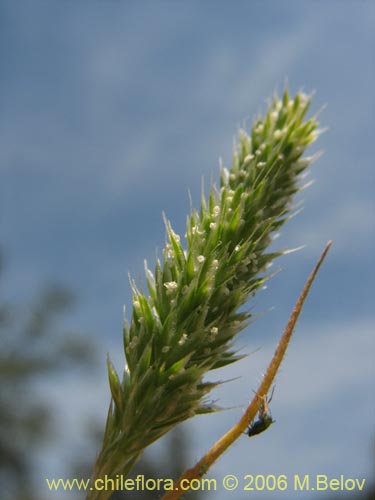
x,y
186,324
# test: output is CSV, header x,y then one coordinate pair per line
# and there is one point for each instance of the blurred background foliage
x,y
33,347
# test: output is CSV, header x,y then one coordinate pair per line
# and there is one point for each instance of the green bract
x,y
186,324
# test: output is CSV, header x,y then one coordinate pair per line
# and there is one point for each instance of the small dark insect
x,y
265,417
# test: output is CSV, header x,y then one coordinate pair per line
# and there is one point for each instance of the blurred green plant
x,y
185,325
32,349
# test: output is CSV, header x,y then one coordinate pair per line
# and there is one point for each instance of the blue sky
x,y
111,111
